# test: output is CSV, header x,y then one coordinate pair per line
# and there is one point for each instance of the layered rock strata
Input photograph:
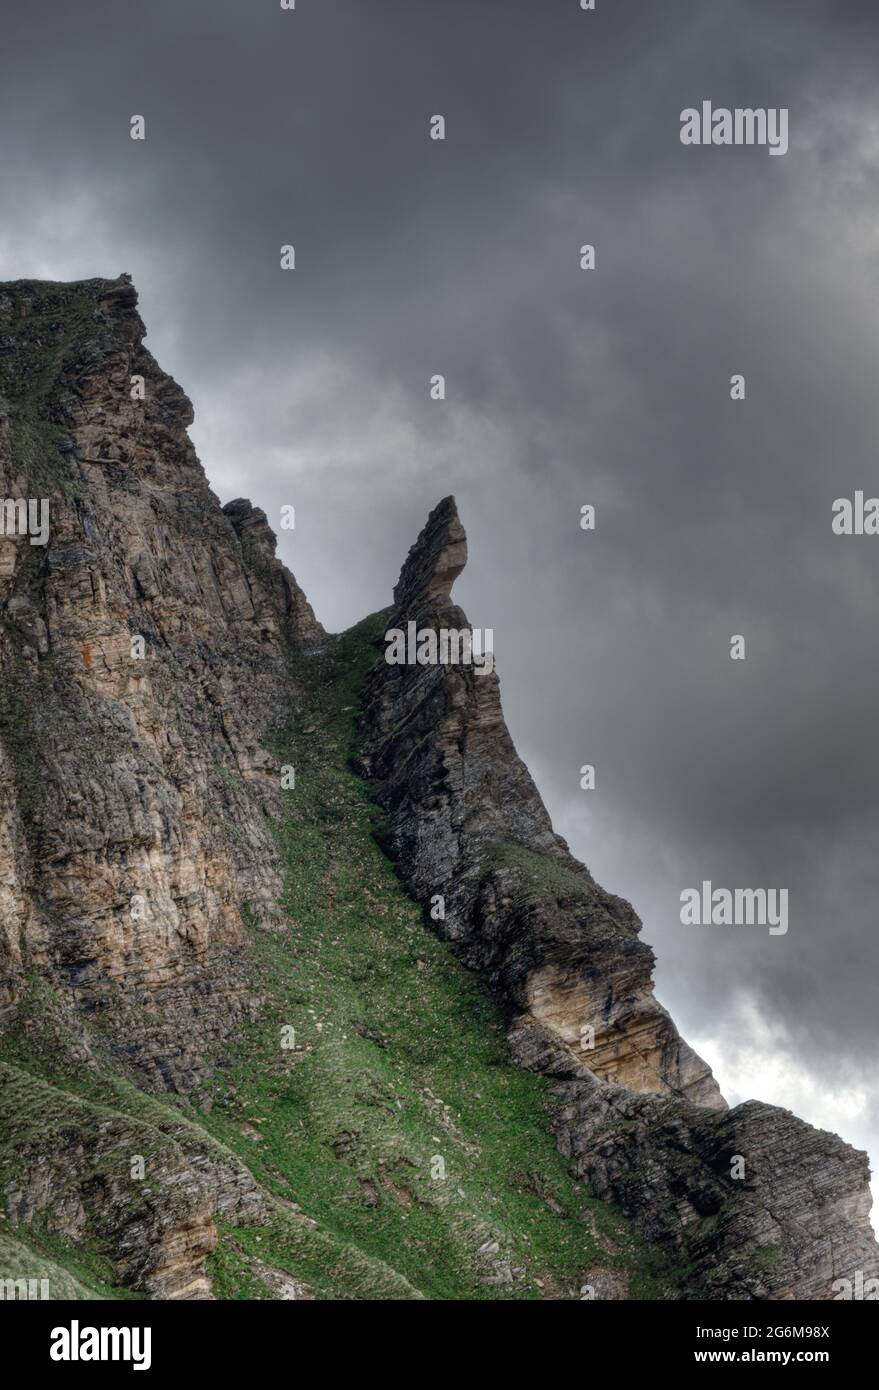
x,y
143,653
638,1112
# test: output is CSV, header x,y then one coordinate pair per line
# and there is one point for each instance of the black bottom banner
x,y
84,1339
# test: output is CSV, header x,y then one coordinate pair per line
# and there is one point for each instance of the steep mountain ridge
x,y
234,1061
638,1112
469,824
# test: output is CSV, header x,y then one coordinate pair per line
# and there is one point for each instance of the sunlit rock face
x,y
145,649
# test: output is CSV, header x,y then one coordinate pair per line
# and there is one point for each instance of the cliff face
x,y
638,1112
159,628
169,910
469,824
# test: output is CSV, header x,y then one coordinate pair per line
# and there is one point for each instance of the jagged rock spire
x,y
435,560
637,1112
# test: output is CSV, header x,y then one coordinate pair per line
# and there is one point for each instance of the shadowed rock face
x,y
796,1222
468,823
638,1113
434,561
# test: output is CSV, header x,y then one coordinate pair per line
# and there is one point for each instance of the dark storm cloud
x,y
413,257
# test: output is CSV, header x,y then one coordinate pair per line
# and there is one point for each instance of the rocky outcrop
x,y
144,651
150,1195
752,1202
468,824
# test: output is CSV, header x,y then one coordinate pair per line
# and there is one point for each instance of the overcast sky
x,y
611,387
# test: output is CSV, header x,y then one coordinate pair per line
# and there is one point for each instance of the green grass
x,y
74,1269
400,1058
30,1258
396,1138
539,873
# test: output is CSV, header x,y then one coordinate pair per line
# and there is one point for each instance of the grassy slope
x,y
399,1063
19,1261
400,1060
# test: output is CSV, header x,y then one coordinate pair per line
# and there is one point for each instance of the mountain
x,y
300,994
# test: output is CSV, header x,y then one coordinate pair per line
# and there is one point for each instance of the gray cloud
x,y
266,127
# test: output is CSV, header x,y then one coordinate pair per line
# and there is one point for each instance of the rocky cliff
x,y
157,628
638,1112
236,1058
